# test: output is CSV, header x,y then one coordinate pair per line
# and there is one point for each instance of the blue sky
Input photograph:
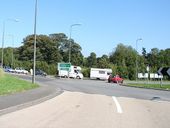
x,y
105,23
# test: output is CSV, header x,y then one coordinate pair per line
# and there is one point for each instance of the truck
x,y
69,71
100,74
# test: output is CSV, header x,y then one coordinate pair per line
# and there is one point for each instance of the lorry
x,y
69,71
100,74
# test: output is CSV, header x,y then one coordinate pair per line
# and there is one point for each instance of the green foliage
x,y
42,65
131,72
49,51
103,62
86,72
54,48
46,49
48,68
114,69
76,55
52,69
92,60
124,57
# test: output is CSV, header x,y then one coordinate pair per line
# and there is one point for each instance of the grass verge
x,y
10,84
154,86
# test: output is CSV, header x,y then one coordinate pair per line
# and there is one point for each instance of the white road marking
x,y
119,109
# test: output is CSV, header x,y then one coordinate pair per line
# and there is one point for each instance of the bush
x,y
52,70
86,72
49,69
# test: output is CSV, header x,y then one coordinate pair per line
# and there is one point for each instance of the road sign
x,y
164,71
64,66
168,71
159,71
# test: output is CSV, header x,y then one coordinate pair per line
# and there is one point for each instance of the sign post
x,y
163,71
148,70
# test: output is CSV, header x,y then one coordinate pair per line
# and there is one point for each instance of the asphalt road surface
x,y
94,104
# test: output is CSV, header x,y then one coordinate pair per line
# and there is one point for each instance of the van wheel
x,y
78,77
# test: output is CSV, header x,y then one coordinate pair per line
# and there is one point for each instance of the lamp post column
x,y
35,37
12,54
3,36
140,39
3,39
70,40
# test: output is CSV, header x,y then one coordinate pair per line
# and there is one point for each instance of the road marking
x,y
119,109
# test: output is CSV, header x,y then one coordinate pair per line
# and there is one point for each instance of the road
x,y
102,88
94,104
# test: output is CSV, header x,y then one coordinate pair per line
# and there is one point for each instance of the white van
x,y
100,74
74,72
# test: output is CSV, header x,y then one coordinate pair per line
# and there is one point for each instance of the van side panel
x,y
102,74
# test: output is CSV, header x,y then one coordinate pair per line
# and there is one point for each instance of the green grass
x,y
10,84
155,86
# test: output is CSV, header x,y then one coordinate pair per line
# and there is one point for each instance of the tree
x,y
153,59
63,44
59,39
46,49
103,62
8,57
85,62
92,60
76,55
124,58
166,57
144,52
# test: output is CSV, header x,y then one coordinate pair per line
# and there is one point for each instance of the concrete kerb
x,y
30,103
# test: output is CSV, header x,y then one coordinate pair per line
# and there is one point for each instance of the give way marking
x,y
119,109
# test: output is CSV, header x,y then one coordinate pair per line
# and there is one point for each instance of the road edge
x,y
30,103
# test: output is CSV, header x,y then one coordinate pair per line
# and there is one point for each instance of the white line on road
x,y
119,109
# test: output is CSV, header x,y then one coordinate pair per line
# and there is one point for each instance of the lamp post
x,y
12,55
71,26
3,39
35,37
139,39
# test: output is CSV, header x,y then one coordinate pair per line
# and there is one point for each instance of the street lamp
x,y
71,26
12,58
139,39
3,39
35,26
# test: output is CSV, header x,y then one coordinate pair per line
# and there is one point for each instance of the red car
x,y
115,79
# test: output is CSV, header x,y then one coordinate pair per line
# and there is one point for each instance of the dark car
x,y
115,79
40,72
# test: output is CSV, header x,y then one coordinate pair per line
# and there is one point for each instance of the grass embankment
x,y
10,84
154,86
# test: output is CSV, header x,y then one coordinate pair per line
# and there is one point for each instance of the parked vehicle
x,y
72,72
100,74
20,70
9,69
40,72
115,79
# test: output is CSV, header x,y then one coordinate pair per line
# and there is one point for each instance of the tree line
x,y
54,48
